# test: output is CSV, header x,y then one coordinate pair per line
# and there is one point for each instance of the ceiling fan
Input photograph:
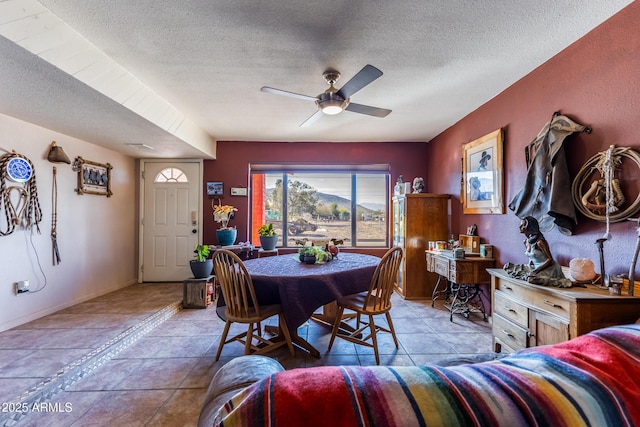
x,y
333,101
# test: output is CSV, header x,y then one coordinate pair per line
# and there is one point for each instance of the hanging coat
x,y
546,194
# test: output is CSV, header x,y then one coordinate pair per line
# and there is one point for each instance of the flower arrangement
x,y
222,214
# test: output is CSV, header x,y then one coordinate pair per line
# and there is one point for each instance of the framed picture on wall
x,y
483,175
215,188
93,177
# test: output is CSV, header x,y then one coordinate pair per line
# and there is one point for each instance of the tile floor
x,y
134,357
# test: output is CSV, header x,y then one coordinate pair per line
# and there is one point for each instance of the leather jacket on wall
x,y
546,194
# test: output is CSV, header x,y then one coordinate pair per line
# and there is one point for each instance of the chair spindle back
x,y
235,282
386,274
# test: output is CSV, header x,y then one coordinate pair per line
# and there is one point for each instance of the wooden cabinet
x,y
418,219
526,315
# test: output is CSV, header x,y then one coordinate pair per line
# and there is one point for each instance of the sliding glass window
x,y
320,205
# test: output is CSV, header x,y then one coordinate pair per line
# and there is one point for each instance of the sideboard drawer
x,y
509,333
539,299
552,304
511,309
514,290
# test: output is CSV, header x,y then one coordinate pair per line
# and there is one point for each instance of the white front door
x,y
170,226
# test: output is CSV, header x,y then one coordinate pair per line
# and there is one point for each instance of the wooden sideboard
x,y
527,315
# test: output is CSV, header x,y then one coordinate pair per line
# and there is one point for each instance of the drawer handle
x,y
552,304
509,288
511,310
509,334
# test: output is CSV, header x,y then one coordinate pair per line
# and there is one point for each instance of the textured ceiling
x,y
178,76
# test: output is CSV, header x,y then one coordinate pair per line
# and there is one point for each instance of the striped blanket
x,y
592,380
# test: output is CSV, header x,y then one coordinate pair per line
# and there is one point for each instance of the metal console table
x,y
459,281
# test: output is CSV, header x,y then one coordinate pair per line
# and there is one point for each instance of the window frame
x,y
354,170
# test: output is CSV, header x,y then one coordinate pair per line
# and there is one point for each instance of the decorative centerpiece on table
x,y
222,214
318,251
312,254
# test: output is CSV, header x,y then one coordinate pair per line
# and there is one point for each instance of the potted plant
x,y
268,237
222,214
307,254
201,265
313,254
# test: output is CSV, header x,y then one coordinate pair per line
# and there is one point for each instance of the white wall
x,y
96,234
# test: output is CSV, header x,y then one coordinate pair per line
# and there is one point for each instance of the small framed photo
x,y
483,175
215,188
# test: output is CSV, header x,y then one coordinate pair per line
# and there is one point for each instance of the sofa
x,y
593,380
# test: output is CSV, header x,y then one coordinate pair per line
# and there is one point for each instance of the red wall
x,y
233,159
595,82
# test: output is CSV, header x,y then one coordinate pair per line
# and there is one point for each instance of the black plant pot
x,y
201,269
310,259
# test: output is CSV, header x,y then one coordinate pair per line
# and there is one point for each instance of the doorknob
x,y
194,231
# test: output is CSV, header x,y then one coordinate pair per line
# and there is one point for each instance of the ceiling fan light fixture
x,y
331,107
330,103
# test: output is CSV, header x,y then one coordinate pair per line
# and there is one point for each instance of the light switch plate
x,y
238,191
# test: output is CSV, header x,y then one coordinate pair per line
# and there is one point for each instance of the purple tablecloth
x,y
301,288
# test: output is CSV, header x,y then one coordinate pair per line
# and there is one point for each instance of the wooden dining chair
x,y
242,307
376,301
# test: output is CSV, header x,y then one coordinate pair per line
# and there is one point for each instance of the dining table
x,y
303,288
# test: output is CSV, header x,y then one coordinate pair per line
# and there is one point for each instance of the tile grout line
x,y
78,369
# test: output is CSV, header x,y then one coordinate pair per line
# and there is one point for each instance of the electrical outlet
x,y
22,286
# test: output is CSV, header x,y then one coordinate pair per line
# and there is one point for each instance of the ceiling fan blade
x,y
311,120
365,76
365,109
268,89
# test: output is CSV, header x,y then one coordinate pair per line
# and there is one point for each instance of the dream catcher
x,y
18,194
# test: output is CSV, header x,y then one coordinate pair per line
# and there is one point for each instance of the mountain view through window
x,y
351,208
